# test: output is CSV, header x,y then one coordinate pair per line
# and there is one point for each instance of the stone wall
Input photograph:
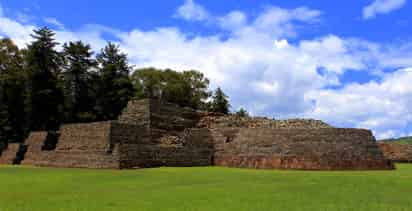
x,y
158,114
116,145
34,144
151,133
9,154
167,116
192,147
397,152
314,149
215,120
79,146
137,112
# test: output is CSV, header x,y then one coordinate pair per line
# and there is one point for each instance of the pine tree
x,y
46,96
5,126
242,113
220,102
12,92
79,92
115,88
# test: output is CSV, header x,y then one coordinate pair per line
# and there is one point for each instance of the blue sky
x,y
346,62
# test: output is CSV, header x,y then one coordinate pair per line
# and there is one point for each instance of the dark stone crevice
x,y
20,154
51,141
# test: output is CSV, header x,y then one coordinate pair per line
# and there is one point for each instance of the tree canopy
x,y
187,88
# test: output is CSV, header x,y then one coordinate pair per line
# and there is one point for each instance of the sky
x,y
348,63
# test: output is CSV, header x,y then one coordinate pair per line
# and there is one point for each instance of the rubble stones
x,y
397,152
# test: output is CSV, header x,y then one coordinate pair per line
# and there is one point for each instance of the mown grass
x,y
210,188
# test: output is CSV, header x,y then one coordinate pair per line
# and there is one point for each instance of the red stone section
x,y
9,154
305,149
397,152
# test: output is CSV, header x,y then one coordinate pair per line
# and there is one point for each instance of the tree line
x,y
42,88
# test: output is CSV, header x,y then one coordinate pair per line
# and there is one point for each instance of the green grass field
x,y
210,188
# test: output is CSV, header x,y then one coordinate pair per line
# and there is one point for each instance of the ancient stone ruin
x,y
397,152
151,133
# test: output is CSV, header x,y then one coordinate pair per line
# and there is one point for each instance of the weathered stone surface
x,y
315,149
151,133
9,154
79,146
115,145
160,115
214,120
192,147
397,152
34,143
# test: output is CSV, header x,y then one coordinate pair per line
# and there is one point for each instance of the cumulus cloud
x,y
54,22
382,7
192,11
13,29
382,106
263,72
233,20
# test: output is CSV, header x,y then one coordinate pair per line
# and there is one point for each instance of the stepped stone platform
x,y
396,152
9,153
152,133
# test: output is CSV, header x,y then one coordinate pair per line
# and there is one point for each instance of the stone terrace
x,y
151,133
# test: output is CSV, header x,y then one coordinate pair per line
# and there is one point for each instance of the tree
x,y
242,113
220,102
115,88
5,126
148,83
78,82
198,86
44,63
12,92
188,88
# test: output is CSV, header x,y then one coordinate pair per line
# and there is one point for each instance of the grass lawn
x,y
210,188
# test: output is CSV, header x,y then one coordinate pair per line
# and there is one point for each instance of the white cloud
x,y
382,106
54,22
274,21
192,11
19,32
233,20
382,7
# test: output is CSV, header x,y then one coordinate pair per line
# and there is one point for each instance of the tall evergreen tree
x,y
5,126
12,92
46,96
115,88
220,102
242,113
78,84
